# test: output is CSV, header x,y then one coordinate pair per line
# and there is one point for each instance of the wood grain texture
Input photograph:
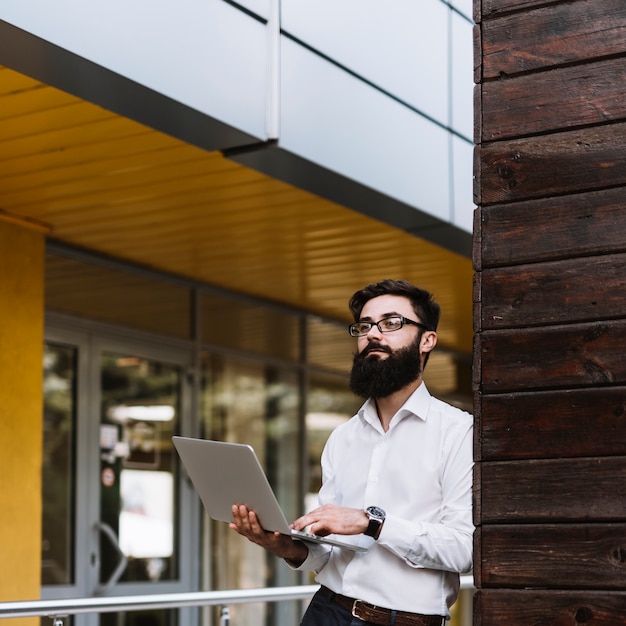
x,y
553,490
579,225
529,607
552,165
553,35
551,424
552,556
493,8
571,290
549,314
576,355
558,99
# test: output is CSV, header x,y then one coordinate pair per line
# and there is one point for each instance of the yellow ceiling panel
x,y
111,185
23,103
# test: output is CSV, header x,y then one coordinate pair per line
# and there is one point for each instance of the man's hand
x,y
331,518
246,523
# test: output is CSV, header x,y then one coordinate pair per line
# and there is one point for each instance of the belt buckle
x,y
354,609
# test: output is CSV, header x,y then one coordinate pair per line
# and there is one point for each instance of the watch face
x,y
375,511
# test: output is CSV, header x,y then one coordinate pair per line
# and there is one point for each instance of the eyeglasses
x,y
386,325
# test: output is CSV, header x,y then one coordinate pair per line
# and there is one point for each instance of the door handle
x,y
109,533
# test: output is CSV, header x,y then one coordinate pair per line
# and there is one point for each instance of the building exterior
x,y
189,194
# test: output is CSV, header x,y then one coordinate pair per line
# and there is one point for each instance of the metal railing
x,y
57,610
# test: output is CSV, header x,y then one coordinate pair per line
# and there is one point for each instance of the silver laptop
x,y
224,474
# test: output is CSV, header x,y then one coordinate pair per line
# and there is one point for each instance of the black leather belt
x,y
379,615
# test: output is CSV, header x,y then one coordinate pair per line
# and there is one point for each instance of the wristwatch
x,y
377,518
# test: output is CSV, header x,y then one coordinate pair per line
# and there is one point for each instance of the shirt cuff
x,y
398,536
316,559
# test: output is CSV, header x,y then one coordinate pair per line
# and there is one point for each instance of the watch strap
x,y
376,520
374,527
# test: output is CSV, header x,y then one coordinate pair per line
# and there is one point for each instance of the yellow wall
x,y
21,351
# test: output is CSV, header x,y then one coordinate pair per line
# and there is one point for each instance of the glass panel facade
x,y
253,403
59,453
140,407
448,377
329,403
108,294
237,324
329,345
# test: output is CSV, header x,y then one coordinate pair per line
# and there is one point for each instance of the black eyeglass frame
x,y
403,321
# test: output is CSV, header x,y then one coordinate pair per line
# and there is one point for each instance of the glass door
x,y
117,517
60,535
140,407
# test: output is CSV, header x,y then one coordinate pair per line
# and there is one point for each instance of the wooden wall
x,y
550,312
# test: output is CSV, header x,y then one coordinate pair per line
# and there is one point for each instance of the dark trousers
x,y
323,611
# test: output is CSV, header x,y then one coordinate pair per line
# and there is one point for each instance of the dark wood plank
x,y
553,556
577,355
562,98
551,424
571,290
477,239
551,165
477,12
556,200
528,607
553,35
493,8
553,490
477,552
476,493
555,228
477,113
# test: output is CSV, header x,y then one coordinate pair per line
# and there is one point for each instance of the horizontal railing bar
x,y
62,608
52,608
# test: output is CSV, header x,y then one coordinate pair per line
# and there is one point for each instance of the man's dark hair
x,y
426,309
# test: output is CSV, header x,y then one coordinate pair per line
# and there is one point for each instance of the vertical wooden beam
x,y
549,312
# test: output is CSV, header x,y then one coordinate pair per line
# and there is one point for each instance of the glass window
x,y
257,404
329,403
250,327
111,295
59,453
140,413
329,344
448,376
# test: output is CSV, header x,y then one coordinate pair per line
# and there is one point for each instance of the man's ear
x,y
429,340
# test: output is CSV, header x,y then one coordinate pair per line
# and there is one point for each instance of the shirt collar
x,y
417,404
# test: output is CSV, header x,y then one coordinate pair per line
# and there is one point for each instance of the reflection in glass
x,y
329,403
59,451
103,293
139,414
242,325
253,403
147,517
329,345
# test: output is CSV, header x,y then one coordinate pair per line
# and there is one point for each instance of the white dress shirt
x,y
420,473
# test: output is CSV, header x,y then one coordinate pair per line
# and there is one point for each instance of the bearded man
x,y
397,478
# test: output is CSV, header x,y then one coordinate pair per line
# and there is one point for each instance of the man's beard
x,y
373,377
